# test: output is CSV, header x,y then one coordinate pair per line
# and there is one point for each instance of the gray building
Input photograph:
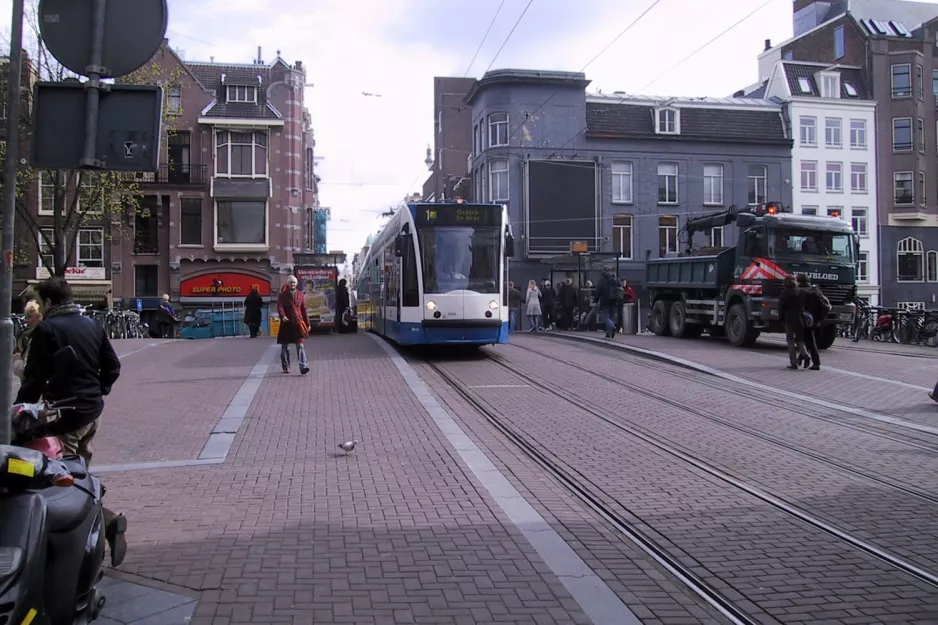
x,y
619,173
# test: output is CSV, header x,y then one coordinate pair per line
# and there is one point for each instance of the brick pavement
x,y
897,521
755,553
766,364
289,530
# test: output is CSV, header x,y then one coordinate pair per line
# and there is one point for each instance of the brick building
x,y
452,140
893,42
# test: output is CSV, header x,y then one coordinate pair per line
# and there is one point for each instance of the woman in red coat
x,y
294,325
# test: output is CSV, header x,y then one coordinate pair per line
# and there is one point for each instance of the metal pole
x,y
14,81
94,86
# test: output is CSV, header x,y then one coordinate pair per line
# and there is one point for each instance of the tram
x,y
437,274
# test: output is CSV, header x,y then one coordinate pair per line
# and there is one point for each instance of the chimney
x,y
768,44
260,60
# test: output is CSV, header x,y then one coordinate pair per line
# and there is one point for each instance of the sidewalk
x,y
290,530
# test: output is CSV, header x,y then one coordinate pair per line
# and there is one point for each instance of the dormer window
x,y
804,85
668,122
851,90
830,84
242,93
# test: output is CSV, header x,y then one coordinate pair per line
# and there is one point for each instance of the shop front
x,y
220,296
90,286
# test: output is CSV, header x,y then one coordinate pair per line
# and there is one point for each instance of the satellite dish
x,y
133,32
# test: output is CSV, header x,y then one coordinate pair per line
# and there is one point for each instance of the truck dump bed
x,y
711,272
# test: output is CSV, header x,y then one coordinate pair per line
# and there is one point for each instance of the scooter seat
x,y
66,507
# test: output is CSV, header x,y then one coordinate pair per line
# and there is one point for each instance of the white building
x,y
831,117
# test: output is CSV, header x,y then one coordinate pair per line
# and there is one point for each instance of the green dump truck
x,y
733,292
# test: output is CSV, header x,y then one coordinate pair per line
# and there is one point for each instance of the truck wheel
x,y
677,323
739,329
659,318
826,336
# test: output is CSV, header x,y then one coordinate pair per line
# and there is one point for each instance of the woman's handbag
x,y
304,329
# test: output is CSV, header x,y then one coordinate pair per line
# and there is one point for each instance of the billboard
x,y
225,284
561,206
318,287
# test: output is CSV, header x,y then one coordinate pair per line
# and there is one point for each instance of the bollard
x,y
630,319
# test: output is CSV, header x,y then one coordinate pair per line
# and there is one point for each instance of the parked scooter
x,y
52,533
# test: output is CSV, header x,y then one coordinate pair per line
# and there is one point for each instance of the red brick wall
x,y
818,46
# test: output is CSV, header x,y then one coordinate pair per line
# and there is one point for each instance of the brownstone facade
x,y
452,139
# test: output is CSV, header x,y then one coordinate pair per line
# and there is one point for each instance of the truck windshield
x,y
813,245
460,258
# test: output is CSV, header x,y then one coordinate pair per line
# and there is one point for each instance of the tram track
x,y
604,504
679,371
593,497
844,467
672,449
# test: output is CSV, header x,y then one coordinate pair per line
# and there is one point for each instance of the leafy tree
x,y
74,198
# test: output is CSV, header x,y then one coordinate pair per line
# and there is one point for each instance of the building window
x,y
858,177
757,185
146,281
241,154
498,130
667,122
310,170
90,247
921,188
902,134
439,122
242,93
834,177
839,44
808,176
920,82
858,221
174,100
715,236
146,231
809,210
713,184
46,251
832,133
667,235
477,139
808,131
830,85
902,186
190,221
241,222
863,267
902,81
910,260
46,192
858,133
621,183
931,266
835,211
934,82
622,235
498,180
667,183
920,128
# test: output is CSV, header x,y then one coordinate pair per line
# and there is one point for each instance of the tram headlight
x,y
431,305
493,305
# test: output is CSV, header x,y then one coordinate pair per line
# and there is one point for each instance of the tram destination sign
x,y
459,215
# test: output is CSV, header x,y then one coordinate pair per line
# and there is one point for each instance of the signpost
x,y
112,130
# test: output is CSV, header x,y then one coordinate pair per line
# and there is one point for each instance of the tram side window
x,y
411,290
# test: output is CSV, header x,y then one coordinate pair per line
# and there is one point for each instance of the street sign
x,y
129,120
133,32
139,305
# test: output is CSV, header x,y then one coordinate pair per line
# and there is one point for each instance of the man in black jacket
x,y
91,369
609,293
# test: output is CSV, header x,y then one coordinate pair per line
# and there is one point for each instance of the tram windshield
x,y
460,258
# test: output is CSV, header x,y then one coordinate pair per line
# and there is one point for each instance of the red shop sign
x,y
224,285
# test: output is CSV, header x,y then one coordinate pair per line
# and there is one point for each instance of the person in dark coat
x,y
566,296
548,299
811,301
291,306
342,302
252,312
791,311
514,305
608,294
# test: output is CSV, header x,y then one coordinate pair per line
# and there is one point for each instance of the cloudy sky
x,y
373,147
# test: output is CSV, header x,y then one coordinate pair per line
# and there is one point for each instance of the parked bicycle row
x,y
894,325
119,324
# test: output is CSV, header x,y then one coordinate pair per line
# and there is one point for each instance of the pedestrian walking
x,y
548,301
167,319
816,307
532,303
566,296
514,306
294,325
791,310
342,301
21,349
252,312
609,293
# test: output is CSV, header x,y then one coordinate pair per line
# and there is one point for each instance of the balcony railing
x,y
172,174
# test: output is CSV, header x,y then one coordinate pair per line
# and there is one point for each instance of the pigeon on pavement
x,y
348,446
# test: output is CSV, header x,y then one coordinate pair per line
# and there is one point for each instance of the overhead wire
x,y
510,33
484,38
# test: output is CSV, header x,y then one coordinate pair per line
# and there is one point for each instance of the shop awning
x,y
85,291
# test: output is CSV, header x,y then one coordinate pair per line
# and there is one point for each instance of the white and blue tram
x,y
437,273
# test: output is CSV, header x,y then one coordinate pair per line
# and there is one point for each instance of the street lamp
x,y
429,160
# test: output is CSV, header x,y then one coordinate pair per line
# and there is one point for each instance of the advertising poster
x,y
318,287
